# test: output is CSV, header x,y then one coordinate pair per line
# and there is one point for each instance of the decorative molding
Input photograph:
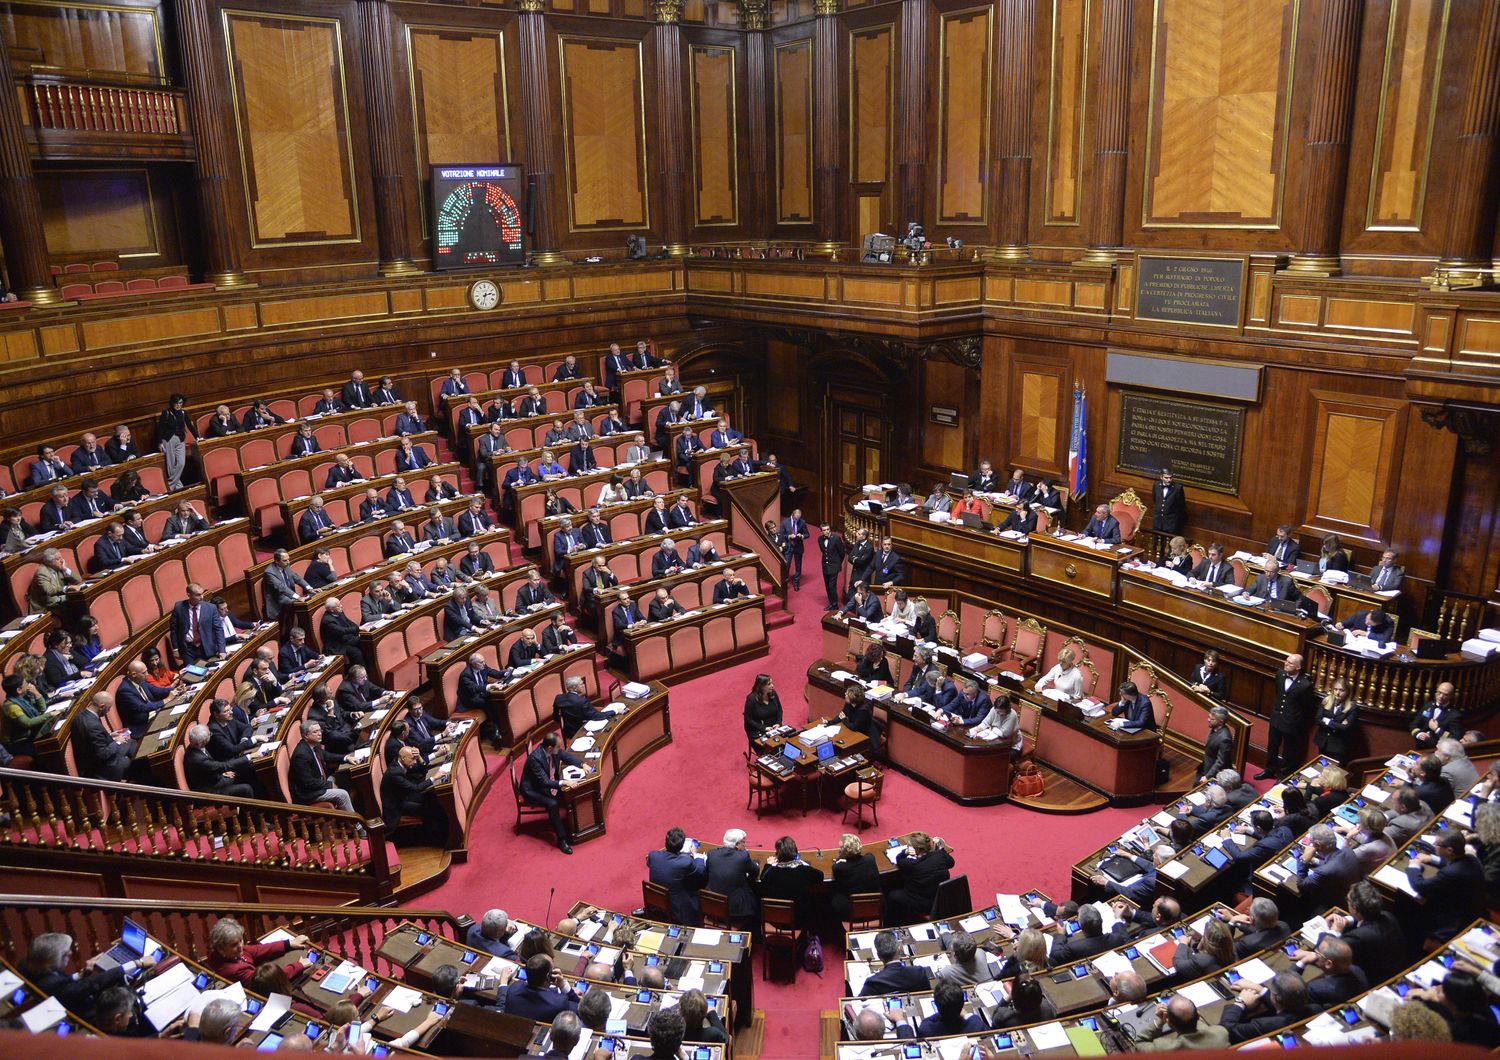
x,y
531,7
668,11
1475,426
824,8
897,354
755,14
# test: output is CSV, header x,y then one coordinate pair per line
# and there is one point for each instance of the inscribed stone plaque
x,y
1200,442
1190,290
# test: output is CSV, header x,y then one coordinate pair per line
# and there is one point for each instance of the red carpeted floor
x,y
698,783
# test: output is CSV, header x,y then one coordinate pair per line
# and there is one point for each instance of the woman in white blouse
x,y
1065,676
613,491
903,610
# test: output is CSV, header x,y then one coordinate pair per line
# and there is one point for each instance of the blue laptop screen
x,y
134,936
826,751
790,752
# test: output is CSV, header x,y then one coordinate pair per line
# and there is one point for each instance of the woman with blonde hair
x,y
1334,785
1030,956
1179,559
854,872
1213,950
1487,846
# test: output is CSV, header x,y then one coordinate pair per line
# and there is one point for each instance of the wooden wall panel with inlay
x,y
293,123
1039,416
458,96
1356,444
77,39
713,73
604,134
963,118
1066,112
792,131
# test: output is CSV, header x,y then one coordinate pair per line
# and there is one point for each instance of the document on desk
x,y
1256,970
857,972
1049,1036
1175,870
44,1016
401,998
1200,993
1112,963
1394,877
974,924
339,980
707,936
157,986
1013,908
171,1004
277,1005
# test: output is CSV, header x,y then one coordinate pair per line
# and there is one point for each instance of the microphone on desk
x,y
550,894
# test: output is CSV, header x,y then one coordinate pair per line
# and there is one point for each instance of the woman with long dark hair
x,y
762,708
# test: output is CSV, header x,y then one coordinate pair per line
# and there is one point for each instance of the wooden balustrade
x,y
105,108
1402,686
120,831
351,931
1459,616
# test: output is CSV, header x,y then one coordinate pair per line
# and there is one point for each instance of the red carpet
x,y
698,783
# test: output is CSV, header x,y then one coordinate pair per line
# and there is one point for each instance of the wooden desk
x,y
1119,764
1258,631
625,740
971,772
967,549
1078,567
712,637
806,770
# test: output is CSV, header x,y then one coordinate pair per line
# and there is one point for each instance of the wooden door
x,y
854,449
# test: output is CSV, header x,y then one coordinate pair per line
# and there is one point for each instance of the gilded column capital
x,y
667,11
822,8
755,14
531,7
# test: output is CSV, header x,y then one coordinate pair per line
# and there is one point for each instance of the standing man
x,y
794,533
832,547
1170,510
541,783
681,873
1296,701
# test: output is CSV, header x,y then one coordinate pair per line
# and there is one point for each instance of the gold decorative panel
x,y
1409,86
291,113
604,133
99,39
105,212
871,60
1220,112
794,133
1067,91
1355,455
715,138
1036,426
963,147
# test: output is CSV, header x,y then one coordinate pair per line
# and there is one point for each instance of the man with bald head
x,y
139,699
1291,715
99,753
1178,1027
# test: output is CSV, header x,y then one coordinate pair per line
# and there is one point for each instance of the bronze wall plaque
x,y
1205,291
1199,441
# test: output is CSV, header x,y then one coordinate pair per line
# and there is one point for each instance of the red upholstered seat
x,y
749,628
366,552
171,582
364,429
257,452
138,595
286,408
203,567
718,637
686,646
651,658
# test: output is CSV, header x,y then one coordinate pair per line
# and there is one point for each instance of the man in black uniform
x,y
1296,702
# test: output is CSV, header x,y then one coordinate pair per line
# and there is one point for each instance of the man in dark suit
x,y
1262,927
304,443
1214,570
895,975
1283,548
1022,519
886,569
1324,871
458,617
474,521
454,386
680,873
588,397
55,514
534,593
473,690
730,587
89,503
1372,932
1090,940
581,459
403,793
666,561
409,420
47,467
315,522
1437,719
971,705
89,456
615,362
294,655
595,532
680,515
1376,623
209,775
1134,708
357,693
1291,714
831,545
398,498
356,392
1261,1010
1169,504
439,527
541,782
862,604
338,633
400,540
222,423
670,414
1218,745
794,533
731,871
385,393
372,506
1273,585
658,520
197,632
1103,526
663,606
572,708
538,994
98,753
110,549
138,700
597,581
342,473
524,651
984,479
624,615
1456,895
310,772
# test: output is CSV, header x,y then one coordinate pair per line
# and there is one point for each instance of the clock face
x,y
484,294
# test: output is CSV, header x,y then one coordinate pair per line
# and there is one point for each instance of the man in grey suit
x,y
1273,585
1386,576
99,753
281,585
1218,745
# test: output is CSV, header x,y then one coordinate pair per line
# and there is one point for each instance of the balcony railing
x,y
73,106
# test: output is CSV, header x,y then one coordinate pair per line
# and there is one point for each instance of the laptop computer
x,y
790,752
958,481
1285,606
874,507
134,943
972,520
826,750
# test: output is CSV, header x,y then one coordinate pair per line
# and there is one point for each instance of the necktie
x,y
318,515
319,759
93,507
1213,573
193,626
1380,579
1273,588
